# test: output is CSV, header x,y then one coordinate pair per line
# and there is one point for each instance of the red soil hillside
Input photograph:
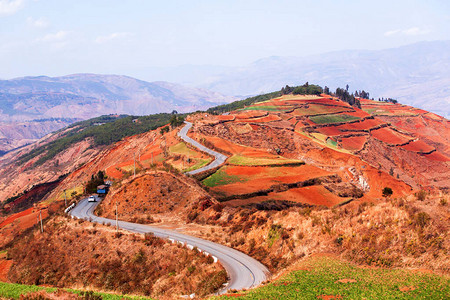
x,y
413,155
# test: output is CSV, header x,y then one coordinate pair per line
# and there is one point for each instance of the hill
x,y
386,73
306,175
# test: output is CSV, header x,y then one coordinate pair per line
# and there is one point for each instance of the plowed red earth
x,y
226,117
389,136
314,195
363,125
330,131
5,265
353,143
250,114
325,101
25,219
436,156
238,149
418,146
13,217
260,178
265,119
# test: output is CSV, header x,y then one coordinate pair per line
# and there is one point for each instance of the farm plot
x,y
252,161
436,156
329,131
240,180
268,108
250,114
390,136
354,143
359,126
328,119
313,195
317,109
240,150
225,118
418,146
265,119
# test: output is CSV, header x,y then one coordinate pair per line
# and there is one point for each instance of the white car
x,y
91,199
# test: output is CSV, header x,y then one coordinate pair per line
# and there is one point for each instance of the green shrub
x,y
387,191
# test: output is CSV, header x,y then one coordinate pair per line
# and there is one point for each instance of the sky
x,y
60,37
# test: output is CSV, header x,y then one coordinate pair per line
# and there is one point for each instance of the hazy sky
x,y
59,37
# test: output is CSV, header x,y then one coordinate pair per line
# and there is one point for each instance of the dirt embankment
x,y
140,199
82,255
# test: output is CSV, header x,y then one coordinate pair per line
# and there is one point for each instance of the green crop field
x,y
327,119
221,178
251,161
200,163
14,291
320,277
182,149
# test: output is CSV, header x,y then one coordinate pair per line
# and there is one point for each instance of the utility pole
x,y
65,199
134,165
117,219
40,217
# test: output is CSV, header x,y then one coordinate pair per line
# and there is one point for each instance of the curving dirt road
x,y
243,271
219,157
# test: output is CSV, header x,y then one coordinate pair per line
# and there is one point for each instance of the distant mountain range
x,y
88,95
31,107
417,74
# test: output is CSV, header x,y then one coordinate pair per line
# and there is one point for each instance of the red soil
x,y
13,217
418,146
389,136
379,180
330,131
239,149
261,178
437,157
329,101
363,125
264,119
5,265
314,195
225,117
250,114
353,143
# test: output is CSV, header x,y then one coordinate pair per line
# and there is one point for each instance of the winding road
x,y
219,157
243,271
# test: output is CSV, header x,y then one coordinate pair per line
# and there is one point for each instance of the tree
x,y
96,180
176,121
387,191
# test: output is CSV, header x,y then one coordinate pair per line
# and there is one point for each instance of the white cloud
x,y
410,31
9,7
54,37
38,23
113,36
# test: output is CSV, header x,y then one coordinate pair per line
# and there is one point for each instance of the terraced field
x,y
262,136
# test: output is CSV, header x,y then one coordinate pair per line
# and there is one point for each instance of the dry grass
x,y
393,233
79,254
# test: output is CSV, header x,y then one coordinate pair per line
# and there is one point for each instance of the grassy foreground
x,y
330,278
14,291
